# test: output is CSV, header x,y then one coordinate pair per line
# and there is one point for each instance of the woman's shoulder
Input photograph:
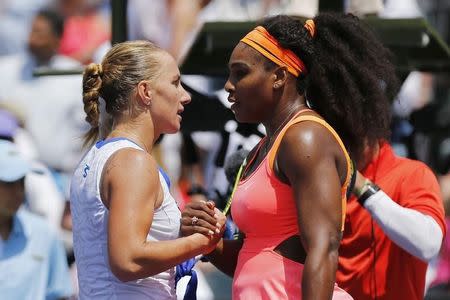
x,y
309,142
309,132
131,161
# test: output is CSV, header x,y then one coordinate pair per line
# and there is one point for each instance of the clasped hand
x,y
201,216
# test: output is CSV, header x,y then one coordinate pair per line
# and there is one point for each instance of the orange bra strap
x,y
255,154
274,149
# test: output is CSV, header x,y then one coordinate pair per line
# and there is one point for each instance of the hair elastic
x,y
311,27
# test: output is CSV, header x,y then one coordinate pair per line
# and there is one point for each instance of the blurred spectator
x,y
246,10
11,129
15,21
362,8
401,9
85,29
51,106
150,21
33,264
41,193
170,24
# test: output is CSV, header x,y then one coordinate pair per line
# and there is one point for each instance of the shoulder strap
x,y
274,149
276,144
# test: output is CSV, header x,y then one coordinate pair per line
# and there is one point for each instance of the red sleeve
x,y
420,191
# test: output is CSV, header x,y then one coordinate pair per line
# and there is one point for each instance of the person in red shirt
x,y
394,226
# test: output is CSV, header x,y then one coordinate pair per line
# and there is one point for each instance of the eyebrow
x,y
237,64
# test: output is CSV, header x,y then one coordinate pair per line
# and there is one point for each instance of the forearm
x,y
413,231
153,257
225,256
319,271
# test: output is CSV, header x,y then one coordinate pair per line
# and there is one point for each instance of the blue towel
x,y
186,269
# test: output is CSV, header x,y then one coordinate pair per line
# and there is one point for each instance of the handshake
x,y
203,217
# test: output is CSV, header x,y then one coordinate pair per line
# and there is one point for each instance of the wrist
x,y
368,190
215,251
361,186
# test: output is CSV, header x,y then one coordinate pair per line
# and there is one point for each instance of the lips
x,y
234,105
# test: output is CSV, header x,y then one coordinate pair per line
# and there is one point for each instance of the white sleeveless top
x,y
90,232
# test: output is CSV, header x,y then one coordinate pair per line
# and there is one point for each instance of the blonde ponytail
x,y
92,83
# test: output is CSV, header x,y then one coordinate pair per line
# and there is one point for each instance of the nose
x,y
185,97
228,86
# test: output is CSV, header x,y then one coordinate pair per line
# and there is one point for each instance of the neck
x,y
282,116
142,133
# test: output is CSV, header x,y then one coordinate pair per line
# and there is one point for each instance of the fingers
x,y
202,205
220,217
188,214
200,226
211,204
202,217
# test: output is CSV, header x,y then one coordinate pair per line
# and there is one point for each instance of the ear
x,y
144,92
280,75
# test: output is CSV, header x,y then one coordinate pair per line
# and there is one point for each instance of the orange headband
x,y
267,45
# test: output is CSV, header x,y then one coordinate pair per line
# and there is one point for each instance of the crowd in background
x,y
43,115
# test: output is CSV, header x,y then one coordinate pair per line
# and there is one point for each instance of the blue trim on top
x,y
102,143
166,177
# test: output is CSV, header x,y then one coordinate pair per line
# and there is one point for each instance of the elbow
x,y
130,269
433,245
431,251
333,257
124,271
126,268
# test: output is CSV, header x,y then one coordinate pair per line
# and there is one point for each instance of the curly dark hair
x,y
351,80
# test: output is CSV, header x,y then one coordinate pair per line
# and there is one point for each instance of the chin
x,y
240,118
174,129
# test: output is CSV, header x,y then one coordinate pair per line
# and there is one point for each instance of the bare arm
x,y
307,157
225,255
184,19
132,189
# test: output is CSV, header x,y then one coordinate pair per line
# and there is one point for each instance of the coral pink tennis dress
x,y
264,209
